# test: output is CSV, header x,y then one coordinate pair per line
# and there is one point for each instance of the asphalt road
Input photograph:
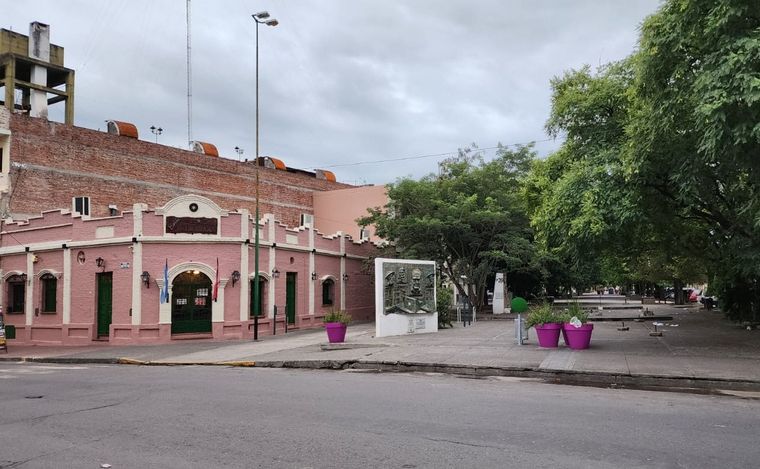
x,y
208,417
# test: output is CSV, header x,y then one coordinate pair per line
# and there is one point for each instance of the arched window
x,y
16,293
328,292
49,285
262,297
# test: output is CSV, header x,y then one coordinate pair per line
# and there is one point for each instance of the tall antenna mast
x,y
189,85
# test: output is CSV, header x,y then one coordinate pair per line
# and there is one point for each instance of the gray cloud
x,y
341,81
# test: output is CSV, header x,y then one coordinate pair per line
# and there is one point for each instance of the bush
x,y
542,314
337,316
443,307
574,310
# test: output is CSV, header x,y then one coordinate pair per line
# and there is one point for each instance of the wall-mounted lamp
x,y
345,277
145,276
235,276
100,262
275,273
36,258
313,275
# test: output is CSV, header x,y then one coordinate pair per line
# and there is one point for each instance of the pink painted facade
x,y
107,275
337,210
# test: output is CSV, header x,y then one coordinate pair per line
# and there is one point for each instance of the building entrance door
x,y
191,303
290,297
105,295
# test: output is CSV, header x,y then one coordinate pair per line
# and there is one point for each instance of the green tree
x,y
470,218
593,220
582,208
695,134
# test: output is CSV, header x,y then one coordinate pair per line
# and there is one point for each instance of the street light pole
x,y
156,131
260,18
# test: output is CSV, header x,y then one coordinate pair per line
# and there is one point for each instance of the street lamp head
x,y
272,22
262,15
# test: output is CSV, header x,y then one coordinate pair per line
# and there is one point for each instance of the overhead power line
x,y
433,155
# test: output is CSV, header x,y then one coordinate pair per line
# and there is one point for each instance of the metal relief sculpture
x,y
408,288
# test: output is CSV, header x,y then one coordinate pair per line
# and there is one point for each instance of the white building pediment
x,y
192,216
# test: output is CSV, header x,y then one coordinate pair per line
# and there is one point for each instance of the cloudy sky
x,y
344,84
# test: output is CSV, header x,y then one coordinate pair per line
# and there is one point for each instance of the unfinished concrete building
x,y
33,66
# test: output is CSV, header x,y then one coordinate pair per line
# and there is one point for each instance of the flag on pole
x,y
216,283
165,290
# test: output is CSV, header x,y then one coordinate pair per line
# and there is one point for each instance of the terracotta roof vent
x,y
125,129
274,163
325,174
205,148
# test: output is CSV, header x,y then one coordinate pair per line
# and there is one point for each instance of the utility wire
x,y
419,157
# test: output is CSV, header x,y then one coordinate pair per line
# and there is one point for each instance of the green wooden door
x,y
105,295
290,297
262,288
191,303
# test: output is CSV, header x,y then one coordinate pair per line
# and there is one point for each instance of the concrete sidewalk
x,y
698,349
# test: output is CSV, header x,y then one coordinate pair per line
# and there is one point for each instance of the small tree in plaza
x,y
470,218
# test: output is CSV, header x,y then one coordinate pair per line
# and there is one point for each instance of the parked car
x,y
670,294
694,295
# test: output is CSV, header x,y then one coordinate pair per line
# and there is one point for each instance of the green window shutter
x,y
327,292
49,288
262,286
18,293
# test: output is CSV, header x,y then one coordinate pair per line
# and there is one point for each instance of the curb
x,y
582,378
118,361
568,377
63,360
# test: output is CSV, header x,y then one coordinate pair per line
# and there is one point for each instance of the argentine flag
x,y
165,290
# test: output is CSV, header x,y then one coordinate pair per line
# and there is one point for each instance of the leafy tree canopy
x,y
470,217
695,133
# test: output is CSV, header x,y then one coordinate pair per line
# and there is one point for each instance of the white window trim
x,y
88,205
307,220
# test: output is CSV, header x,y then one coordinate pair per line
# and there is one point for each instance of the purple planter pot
x,y
548,334
577,338
336,332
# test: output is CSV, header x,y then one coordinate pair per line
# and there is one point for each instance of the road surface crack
x,y
444,440
70,412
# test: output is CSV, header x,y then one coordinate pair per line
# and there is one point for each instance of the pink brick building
x,y
90,220
72,280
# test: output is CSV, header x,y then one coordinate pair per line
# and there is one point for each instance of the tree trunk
x,y
678,291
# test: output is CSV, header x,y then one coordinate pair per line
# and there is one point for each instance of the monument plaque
x,y
405,297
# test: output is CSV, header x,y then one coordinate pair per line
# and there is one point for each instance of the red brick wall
x,y
60,162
